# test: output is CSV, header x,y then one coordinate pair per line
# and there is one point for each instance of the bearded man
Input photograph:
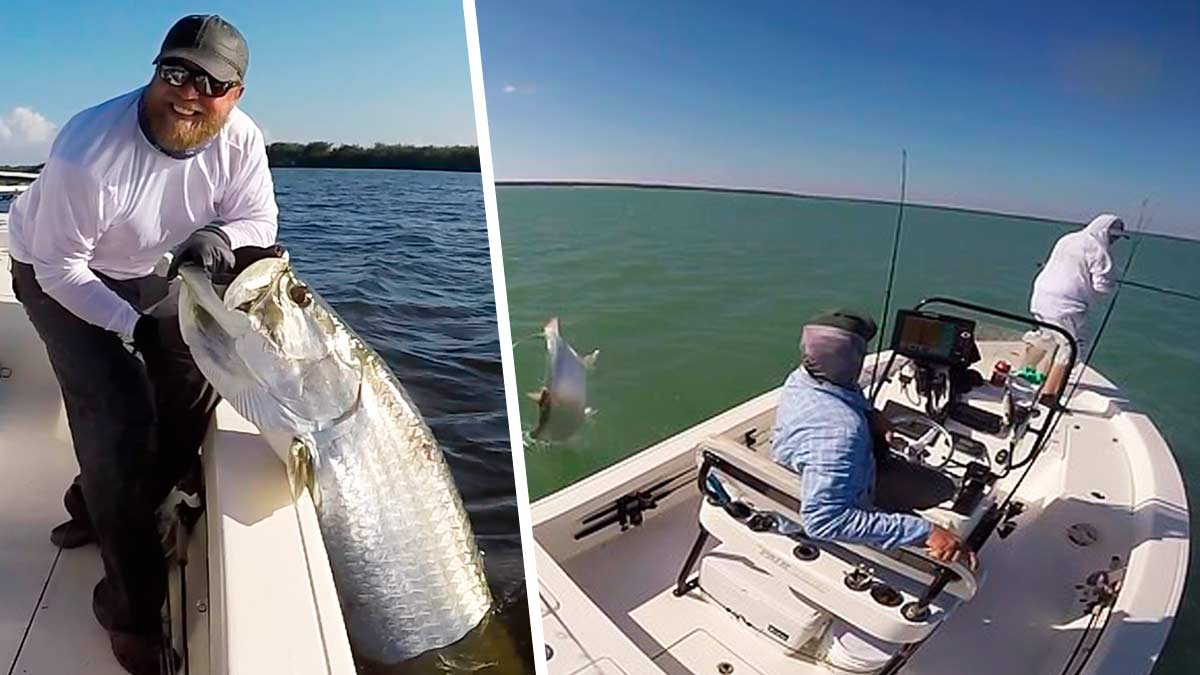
x,y
176,166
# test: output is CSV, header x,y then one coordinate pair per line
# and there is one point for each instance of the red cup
x,y
1000,373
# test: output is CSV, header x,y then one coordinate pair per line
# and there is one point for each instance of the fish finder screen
x,y
928,337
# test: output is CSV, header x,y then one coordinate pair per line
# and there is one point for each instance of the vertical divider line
x,y
520,484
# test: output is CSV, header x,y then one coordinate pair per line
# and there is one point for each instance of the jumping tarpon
x,y
562,401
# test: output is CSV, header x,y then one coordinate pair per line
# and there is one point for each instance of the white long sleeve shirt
x,y
1079,269
109,201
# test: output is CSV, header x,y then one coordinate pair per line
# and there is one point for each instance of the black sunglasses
x,y
176,75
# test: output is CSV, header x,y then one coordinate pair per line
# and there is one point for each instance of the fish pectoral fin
x,y
589,361
302,470
538,395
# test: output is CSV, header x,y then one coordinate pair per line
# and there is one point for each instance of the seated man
x,y
825,429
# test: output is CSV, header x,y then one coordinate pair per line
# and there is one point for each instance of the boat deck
x,y
46,622
1105,467
631,577
691,634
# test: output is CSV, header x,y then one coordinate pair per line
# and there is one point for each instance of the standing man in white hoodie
x,y
1080,269
173,165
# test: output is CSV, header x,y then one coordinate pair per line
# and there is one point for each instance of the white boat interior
x,y
645,567
259,591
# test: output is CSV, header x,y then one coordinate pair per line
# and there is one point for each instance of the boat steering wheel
x,y
934,448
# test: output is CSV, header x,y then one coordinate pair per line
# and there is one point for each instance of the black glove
x,y
245,256
145,335
207,247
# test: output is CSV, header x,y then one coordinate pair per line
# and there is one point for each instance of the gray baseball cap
x,y
859,323
210,42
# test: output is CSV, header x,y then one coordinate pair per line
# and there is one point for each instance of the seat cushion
x,y
751,475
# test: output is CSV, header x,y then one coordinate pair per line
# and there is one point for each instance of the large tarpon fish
x,y
408,573
562,401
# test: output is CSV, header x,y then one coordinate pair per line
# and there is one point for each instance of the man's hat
x,y
210,42
860,324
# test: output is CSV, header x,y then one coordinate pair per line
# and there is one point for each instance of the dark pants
x,y
902,486
136,428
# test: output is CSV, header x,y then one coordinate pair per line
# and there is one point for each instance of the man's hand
x,y
882,432
207,247
880,424
943,545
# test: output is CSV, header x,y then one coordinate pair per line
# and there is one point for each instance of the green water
x,y
695,300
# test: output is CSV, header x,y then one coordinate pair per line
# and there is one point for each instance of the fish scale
x,y
405,563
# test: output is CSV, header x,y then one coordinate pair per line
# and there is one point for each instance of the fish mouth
x,y
268,350
255,282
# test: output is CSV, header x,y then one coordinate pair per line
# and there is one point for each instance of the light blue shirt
x,y
822,433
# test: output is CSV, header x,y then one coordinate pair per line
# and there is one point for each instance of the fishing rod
x,y
1152,288
887,295
1137,242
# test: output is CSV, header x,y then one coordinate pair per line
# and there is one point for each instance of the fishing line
x,y
887,295
1153,289
1160,289
1116,294
526,338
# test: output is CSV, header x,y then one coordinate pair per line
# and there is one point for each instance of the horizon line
x,y
473,146
520,182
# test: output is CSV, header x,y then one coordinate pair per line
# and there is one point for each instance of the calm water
x,y
403,257
695,300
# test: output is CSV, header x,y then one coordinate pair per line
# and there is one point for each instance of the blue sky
x,y
1060,111
357,72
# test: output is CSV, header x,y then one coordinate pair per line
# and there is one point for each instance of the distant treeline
x,y
380,156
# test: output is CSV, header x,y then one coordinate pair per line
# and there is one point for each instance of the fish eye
x,y
300,295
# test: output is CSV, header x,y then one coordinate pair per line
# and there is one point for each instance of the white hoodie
x,y
1079,269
